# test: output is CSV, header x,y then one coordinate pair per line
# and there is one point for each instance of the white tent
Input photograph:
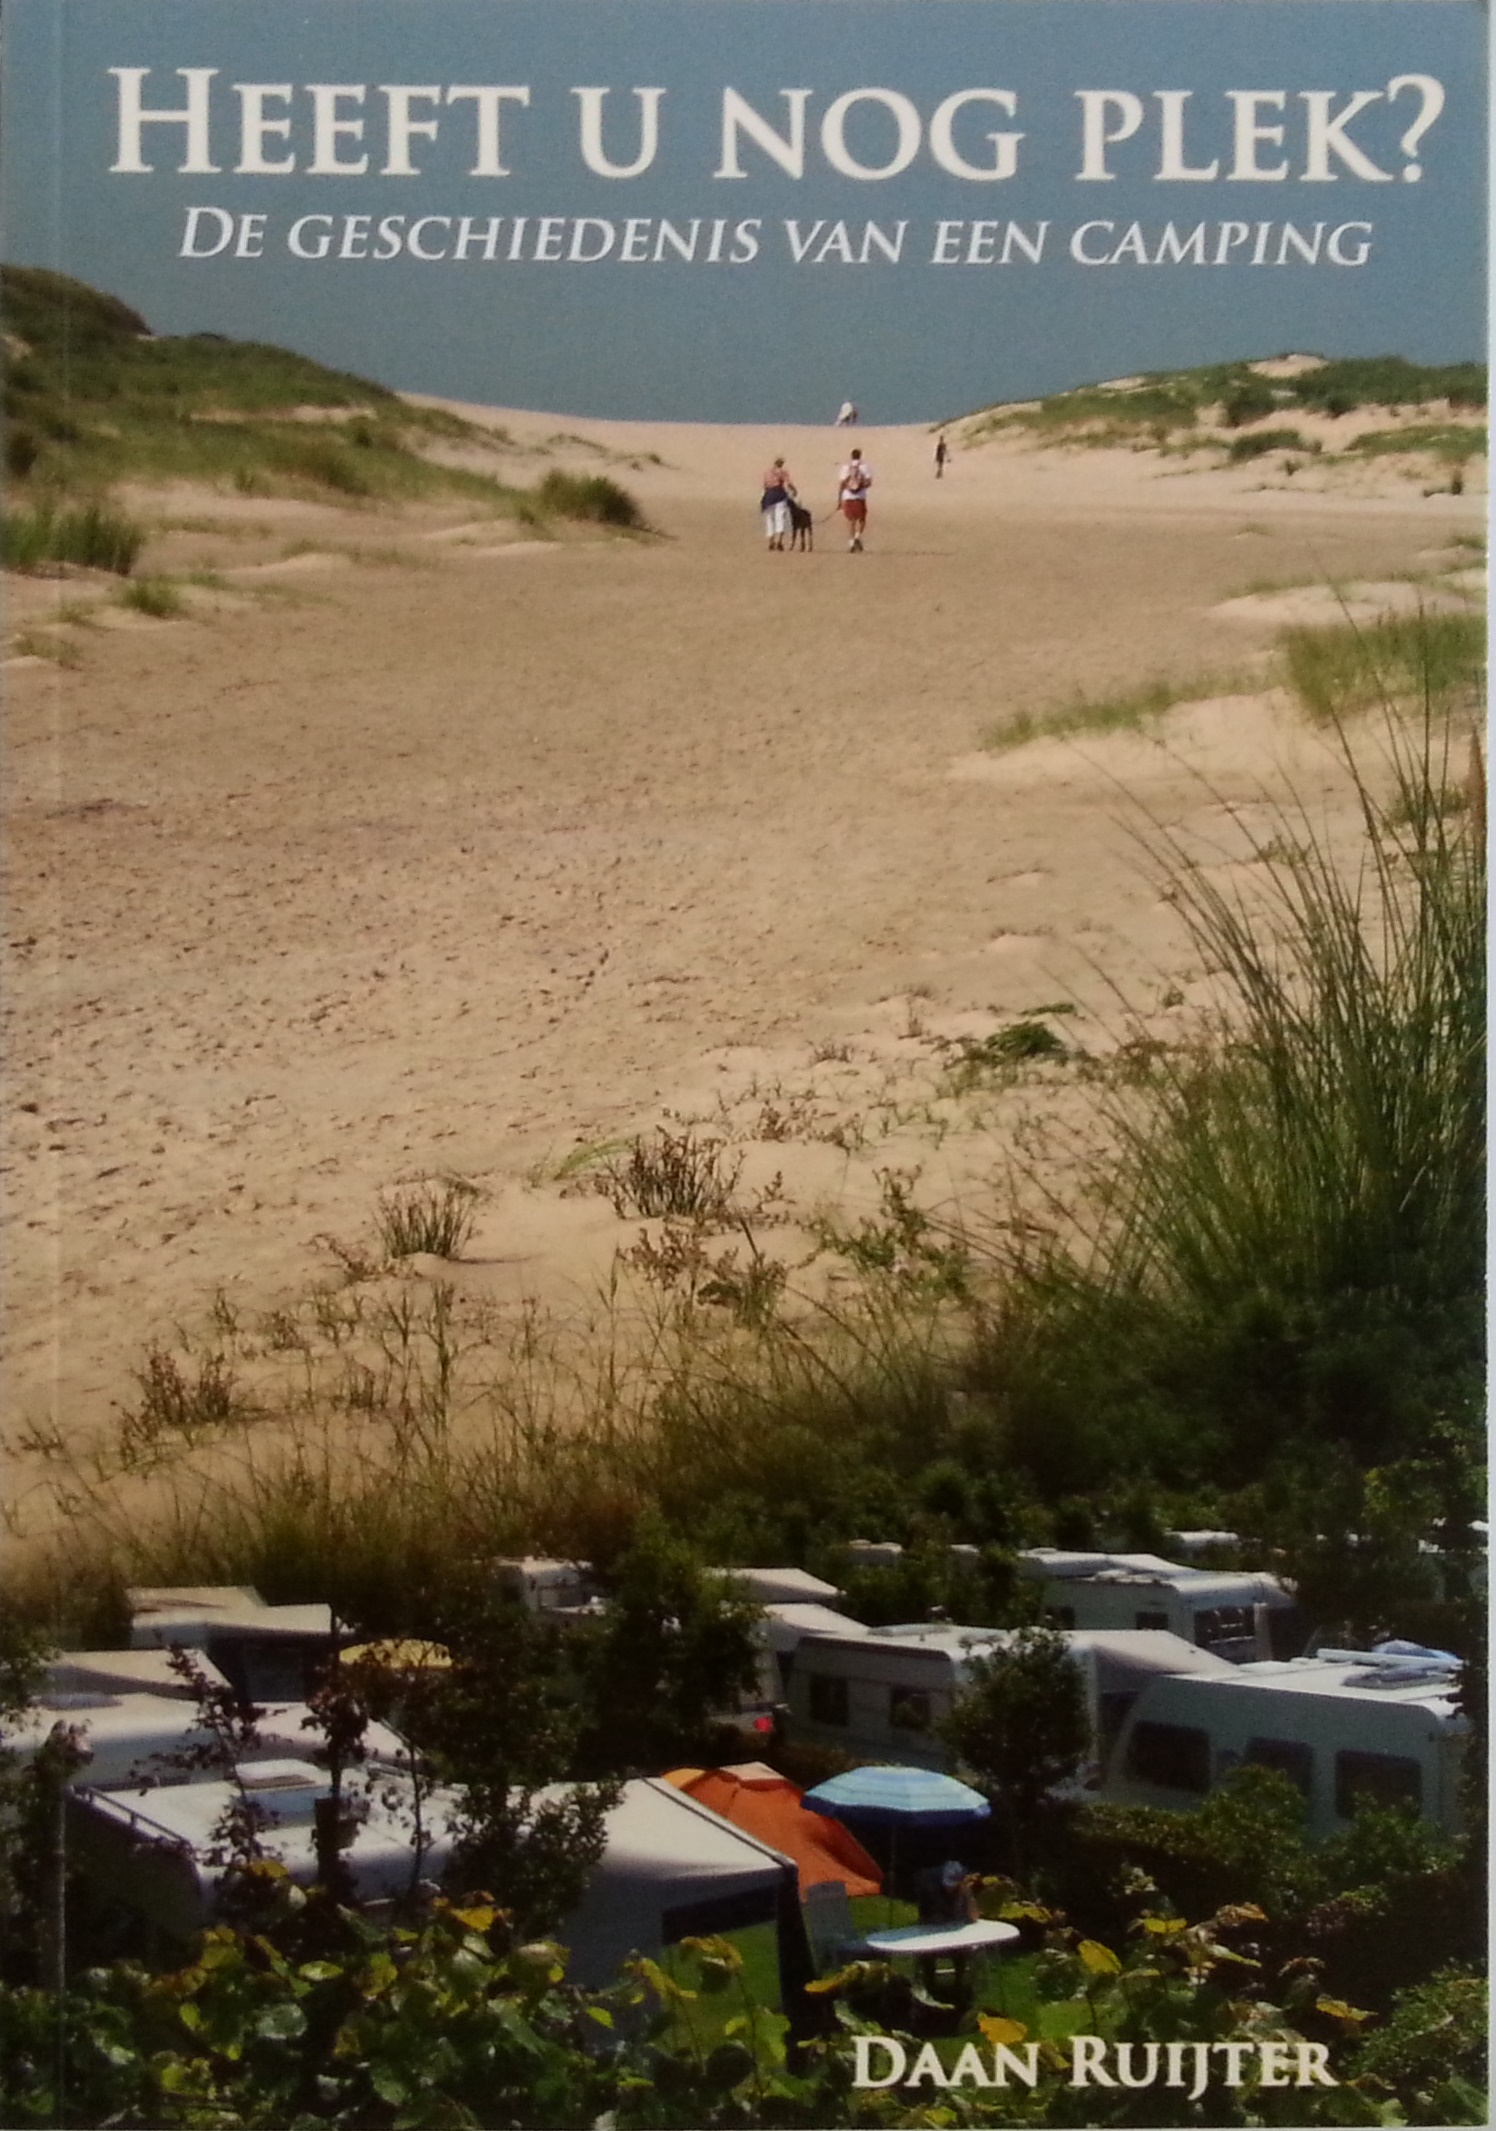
x,y
671,1869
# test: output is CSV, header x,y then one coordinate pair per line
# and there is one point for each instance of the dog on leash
x,y
802,528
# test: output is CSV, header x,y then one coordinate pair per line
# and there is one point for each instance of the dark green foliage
x,y
1020,1724
1433,2052
1263,440
1379,1905
1248,401
671,1653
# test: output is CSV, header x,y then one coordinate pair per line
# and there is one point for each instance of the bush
x,y
592,497
1264,440
90,534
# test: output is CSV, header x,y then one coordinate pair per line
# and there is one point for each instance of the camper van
x,y
268,1653
160,1740
883,1694
1343,1726
1242,1615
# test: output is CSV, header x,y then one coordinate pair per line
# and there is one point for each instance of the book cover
x,y
744,1085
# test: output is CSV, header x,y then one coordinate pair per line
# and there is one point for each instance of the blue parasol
x,y
897,1797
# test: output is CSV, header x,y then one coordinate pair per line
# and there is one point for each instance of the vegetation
x,y
1130,710
685,1175
92,398
89,534
1269,1315
1407,659
589,496
437,1218
1185,409
1020,1725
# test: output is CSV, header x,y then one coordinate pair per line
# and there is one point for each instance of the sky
x,y
1150,152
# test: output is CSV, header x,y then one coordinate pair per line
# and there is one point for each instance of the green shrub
x,y
593,497
1265,440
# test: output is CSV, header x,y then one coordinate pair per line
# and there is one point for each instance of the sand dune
x,y
457,853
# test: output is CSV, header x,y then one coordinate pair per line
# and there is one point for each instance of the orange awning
x,y
757,1799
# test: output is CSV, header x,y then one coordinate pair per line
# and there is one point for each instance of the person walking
x,y
942,453
853,482
775,505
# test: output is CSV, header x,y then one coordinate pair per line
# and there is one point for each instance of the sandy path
x,y
444,868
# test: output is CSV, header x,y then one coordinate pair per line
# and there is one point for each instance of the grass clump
x,y
981,1058
676,1175
436,1218
91,535
1401,658
594,498
1130,710
156,596
1454,442
1259,441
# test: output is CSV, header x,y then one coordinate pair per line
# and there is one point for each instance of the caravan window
x,y
1218,1625
1175,1757
1151,1620
1290,1757
1378,1779
828,1699
908,1709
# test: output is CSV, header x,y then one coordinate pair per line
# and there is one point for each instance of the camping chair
x,y
830,1926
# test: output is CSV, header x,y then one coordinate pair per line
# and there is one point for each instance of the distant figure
x,y
847,418
775,505
942,453
946,1894
853,482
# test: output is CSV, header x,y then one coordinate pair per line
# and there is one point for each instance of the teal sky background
x,y
767,341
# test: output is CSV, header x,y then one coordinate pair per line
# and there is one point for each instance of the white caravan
x,y
884,1693
1343,1726
1240,1614
156,1739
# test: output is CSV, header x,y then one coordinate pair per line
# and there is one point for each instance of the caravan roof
x,y
784,1587
1344,1677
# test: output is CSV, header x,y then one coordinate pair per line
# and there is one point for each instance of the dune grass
x,y
157,596
1175,408
1129,710
595,498
91,534
1350,667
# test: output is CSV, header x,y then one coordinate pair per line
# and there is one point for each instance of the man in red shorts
x,y
854,481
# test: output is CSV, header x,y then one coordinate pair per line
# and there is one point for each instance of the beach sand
x,y
422,850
